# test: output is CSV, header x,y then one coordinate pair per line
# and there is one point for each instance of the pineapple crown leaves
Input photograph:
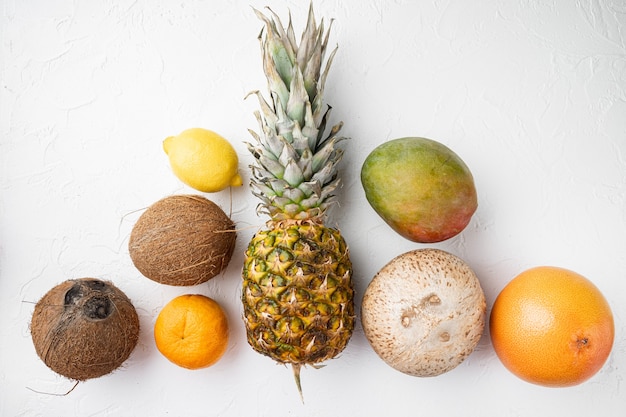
x,y
295,173
284,60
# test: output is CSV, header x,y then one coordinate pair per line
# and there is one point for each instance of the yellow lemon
x,y
203,160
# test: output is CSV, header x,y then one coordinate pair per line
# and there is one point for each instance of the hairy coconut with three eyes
x,y
84,328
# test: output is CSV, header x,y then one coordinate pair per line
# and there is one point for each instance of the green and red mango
x,y
420,187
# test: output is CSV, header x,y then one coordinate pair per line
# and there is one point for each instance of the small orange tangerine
x,y
192,331
552,327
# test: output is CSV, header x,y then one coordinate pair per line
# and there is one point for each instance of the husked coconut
x,y
424,312
182,240
84,328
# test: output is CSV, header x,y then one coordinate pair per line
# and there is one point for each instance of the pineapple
x,y
297,288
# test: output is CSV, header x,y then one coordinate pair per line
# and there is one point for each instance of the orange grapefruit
x,y
192,331
552,327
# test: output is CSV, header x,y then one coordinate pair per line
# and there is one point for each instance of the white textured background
x,y
531,94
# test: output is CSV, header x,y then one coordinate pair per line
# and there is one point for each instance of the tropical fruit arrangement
x,y
423,313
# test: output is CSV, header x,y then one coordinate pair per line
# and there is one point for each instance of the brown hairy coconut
x,y
84,328
182,240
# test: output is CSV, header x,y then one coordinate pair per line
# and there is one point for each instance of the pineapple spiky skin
x,y
297,291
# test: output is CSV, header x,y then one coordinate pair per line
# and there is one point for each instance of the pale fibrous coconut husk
x,y
182,240
424,312
84,328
